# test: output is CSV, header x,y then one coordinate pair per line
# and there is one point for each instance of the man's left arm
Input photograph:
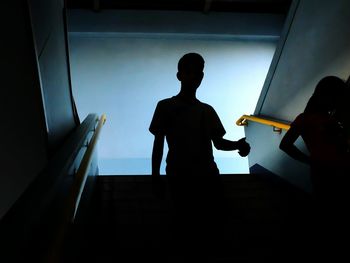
x,y
218,132
227,145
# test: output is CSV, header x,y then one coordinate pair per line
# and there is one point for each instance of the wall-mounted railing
x,y
75,192
277,125
82,172
35,227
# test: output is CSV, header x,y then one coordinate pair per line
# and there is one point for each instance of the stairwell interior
x,y
266,215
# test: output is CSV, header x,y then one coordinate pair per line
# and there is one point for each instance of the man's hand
x,y
243,147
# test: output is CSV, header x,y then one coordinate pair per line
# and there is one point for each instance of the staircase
x,y
253,219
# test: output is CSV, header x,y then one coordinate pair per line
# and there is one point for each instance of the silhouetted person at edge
x,y
324,128
190,127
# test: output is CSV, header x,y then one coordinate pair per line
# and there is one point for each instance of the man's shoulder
x,y
206,106
164,104
166,101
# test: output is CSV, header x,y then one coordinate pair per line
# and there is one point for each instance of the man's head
x,y
190,70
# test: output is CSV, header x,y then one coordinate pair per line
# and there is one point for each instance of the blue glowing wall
x,y
125,76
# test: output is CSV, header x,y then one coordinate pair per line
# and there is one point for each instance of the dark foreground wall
x,y
33,122
48,23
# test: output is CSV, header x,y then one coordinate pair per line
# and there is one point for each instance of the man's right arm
x,y
157,154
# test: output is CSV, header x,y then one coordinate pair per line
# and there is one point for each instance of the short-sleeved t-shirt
x,y
321,136
189,128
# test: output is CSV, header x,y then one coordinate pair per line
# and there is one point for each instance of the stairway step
x,y
127,219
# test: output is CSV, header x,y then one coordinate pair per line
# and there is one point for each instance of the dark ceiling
x,y
246,6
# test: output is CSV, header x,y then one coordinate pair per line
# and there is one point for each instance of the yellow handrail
x,y
74,194
84,166
243,121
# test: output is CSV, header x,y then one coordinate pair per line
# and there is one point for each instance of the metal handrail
x,y
84,167
75,192
277,125
82,172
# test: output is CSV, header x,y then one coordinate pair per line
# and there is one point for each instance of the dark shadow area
x,y
252,220
261,6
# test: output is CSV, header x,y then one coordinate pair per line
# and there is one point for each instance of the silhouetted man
x,y
189,127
